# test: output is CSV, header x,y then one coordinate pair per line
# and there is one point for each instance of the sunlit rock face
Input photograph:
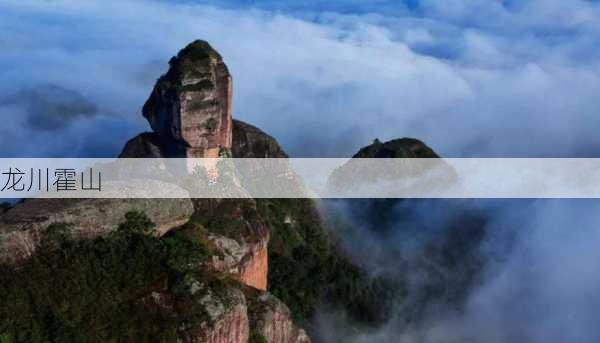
x,y
272,320
22,227
239,235
191,103
189,111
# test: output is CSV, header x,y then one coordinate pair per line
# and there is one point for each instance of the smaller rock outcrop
x,y
397,171
260,178
221,310
227,318
240,237
22,227
251,142
396,148
208,308
225,311
246,261
146,145
272,320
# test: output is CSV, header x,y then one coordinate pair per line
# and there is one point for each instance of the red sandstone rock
x,y
246,261
191,103
254,270
233,327
240,236
22,227
271,319
190,113
223,318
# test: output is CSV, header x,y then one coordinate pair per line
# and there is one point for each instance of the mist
x,y
469,78
526,271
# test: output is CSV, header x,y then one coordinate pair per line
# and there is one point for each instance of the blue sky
x,y
469,77
294,7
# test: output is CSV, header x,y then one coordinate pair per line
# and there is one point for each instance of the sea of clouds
x,y
539,281
468,77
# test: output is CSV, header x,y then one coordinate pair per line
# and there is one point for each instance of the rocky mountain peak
x,y
191,104
396,148
354,172
198,50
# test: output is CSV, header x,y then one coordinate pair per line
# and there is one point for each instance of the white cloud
x,y
468,77
539,282
328,88
419,35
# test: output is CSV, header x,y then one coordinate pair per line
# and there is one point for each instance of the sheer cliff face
x,y
189,111
191,103
239,235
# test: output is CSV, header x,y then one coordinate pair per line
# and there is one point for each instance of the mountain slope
x,y
211,270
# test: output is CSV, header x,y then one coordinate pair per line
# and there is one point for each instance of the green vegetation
x,y
306,271
228,217
200,86
256,338
131,285
4,206
195,59
210,124
98,291
397,148
198,50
